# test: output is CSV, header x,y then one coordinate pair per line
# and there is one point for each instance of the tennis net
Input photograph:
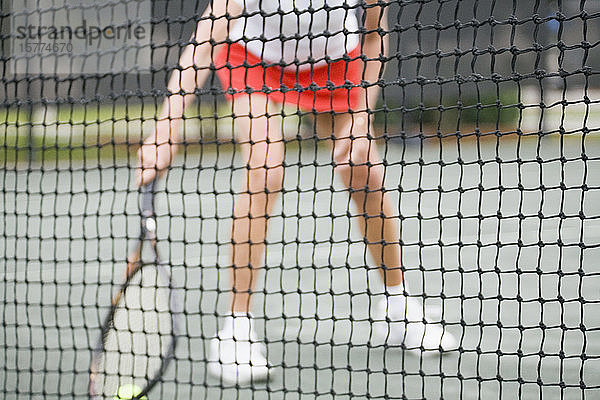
x,y
488,125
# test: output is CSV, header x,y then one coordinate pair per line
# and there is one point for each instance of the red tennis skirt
x,y
330,87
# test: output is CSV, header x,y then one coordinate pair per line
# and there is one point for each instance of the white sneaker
x,y
400,321
235,355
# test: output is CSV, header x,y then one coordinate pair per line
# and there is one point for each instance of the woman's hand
x,y
157,151
153,158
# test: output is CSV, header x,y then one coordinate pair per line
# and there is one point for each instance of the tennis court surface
x,y
519,290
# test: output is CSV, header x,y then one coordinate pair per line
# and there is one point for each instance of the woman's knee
x,y
355,154
352,152
274,179
265,169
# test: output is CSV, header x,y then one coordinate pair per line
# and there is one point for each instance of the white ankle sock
x,y
401,305
395,290
239,326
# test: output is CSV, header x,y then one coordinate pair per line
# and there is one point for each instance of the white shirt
x,y
287,26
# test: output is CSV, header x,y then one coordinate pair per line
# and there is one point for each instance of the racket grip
x,y
147,206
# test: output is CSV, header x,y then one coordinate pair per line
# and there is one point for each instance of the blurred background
x,y
455,67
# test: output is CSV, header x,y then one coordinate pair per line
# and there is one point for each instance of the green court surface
x,y
501,235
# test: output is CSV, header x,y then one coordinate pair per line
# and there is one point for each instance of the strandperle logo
x,y
92,34
79,36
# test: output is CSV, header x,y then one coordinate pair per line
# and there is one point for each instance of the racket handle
x,y
147,206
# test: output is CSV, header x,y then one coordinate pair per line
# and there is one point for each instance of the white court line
x,y
209,256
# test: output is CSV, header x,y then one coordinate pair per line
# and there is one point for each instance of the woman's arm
x,y
374,44
158,150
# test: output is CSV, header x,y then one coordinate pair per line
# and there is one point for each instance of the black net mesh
x,y
486,127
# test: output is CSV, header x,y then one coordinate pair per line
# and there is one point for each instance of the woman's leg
x,y
362,171
359,166
236,355
261,142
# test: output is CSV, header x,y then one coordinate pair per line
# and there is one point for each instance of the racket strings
x,y
141,335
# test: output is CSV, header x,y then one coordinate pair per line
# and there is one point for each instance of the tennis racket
x,y
139,334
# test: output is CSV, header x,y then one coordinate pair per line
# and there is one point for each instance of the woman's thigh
x,y
258,130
